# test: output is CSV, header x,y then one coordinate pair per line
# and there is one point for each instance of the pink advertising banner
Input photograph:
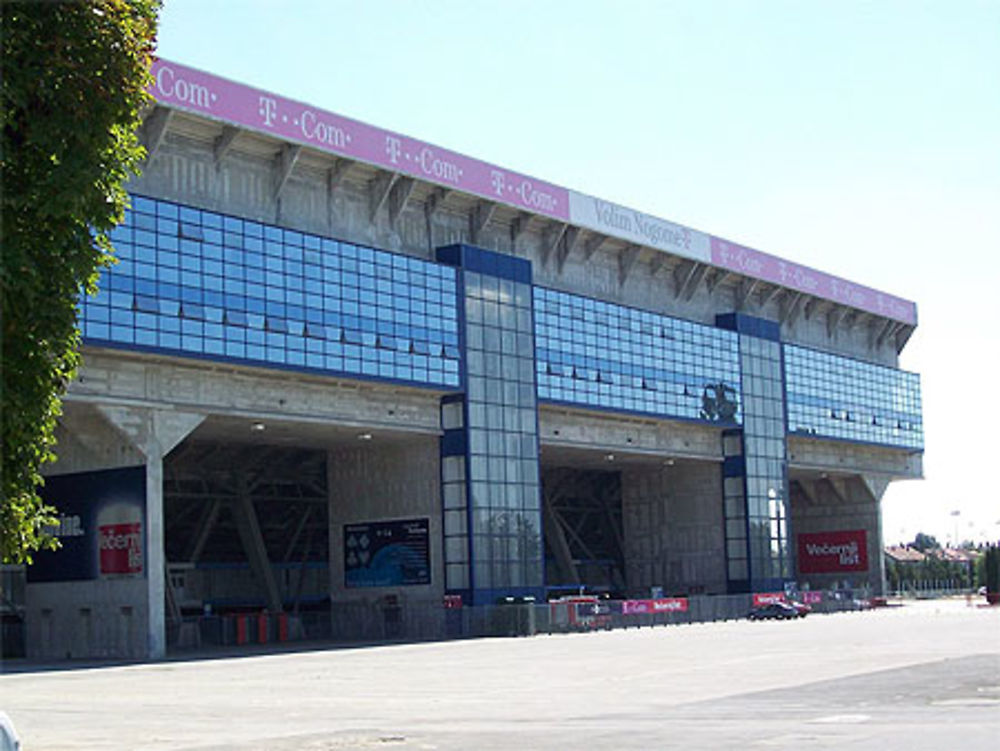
x,y
661,605
195,91
804,279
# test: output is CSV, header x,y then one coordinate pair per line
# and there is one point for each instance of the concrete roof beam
x,y
378,192
627,258
569,242
154,129
224,144
287,158
398,198
592,245
743,291
479,219
552,239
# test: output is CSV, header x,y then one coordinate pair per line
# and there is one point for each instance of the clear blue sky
x,y
861,138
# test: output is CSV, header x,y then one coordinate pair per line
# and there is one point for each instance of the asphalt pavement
x,y
922,676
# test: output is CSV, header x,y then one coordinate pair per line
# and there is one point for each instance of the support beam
x,y
336,174
715,278
882,332
743,291
834,318
154,433
435,201
552,239
286,163
810,307
768,297
656,263
398,197
790,307
592,245
224,143
520,226
248,527
876,485
839,488
479,219
334,177
378,192
154,129
903,336
569,242
687,277
627,258
303,520
205,526
555,534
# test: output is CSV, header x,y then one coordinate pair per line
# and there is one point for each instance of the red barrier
x,y
241,630
283,627
261,628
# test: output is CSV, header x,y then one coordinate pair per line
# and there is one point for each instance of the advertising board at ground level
x,y
101,526
387,554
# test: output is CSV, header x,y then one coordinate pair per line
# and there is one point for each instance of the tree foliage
x,y
74,80
924,542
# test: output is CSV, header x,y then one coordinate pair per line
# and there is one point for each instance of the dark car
x,y
776,610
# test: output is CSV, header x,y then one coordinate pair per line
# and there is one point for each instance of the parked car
x,y
775,610
801,608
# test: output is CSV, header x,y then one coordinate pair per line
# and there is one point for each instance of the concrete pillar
x,y
825,507
154,433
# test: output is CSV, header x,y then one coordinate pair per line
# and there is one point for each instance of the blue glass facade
x,y
599,354
831,396
200,283
490,478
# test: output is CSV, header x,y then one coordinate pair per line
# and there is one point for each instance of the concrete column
x,y
839,504
155,433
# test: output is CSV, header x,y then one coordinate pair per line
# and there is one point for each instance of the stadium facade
x,y
338,370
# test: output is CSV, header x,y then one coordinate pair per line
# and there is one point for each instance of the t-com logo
x,y
833,552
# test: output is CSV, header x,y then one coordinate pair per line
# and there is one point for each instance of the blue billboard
x,y
387,554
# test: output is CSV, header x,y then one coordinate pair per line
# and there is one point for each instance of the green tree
x,y
74,80
924,542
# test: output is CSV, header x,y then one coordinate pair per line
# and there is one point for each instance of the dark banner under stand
x,y
102,519
387,554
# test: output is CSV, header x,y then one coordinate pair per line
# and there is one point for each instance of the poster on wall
x,y
387,554
101,526
833,552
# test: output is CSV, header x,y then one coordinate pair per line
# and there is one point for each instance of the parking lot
x,y
925,675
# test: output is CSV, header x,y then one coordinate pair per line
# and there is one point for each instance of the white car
x,y
8,736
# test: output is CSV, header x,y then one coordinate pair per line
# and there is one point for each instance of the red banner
x,y
833,552
766,598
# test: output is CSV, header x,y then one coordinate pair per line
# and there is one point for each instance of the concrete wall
x,y
841,456
672,518
839,504
92,619
565,428
380,483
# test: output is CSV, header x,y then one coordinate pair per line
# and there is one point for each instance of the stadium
x,y
346,384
